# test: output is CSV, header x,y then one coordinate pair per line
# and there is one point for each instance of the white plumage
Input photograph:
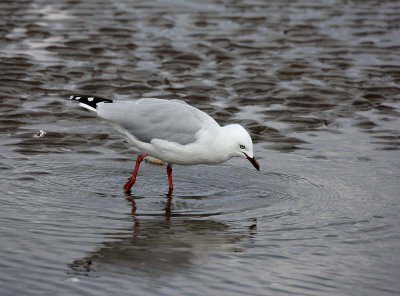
x,y
172,131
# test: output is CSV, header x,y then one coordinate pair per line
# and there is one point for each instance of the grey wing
x,y
149,119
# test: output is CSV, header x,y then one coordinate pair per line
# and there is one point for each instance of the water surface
x,y
317,85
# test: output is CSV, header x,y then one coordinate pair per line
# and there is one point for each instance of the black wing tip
x,y
90,101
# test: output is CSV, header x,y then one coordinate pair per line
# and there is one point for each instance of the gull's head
x,y
240,143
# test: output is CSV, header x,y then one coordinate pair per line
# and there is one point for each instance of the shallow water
x,y
317,85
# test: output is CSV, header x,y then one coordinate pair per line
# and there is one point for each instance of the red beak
x,y
254,162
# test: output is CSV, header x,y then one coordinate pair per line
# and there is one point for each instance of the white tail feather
x,y
87,107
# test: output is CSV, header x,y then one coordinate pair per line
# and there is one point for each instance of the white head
x,y
238,142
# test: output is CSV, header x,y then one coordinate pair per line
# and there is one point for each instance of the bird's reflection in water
x,y
136,224
162,244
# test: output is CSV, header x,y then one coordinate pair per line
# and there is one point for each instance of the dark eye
x,y
242,147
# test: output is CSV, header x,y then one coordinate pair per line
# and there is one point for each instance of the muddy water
x,y
316,83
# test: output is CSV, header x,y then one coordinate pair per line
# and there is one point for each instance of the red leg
x,y
169,172
132,179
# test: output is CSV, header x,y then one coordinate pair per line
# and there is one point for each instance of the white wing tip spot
x,y
90,99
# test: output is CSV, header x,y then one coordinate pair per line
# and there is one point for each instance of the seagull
x,y
171,131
